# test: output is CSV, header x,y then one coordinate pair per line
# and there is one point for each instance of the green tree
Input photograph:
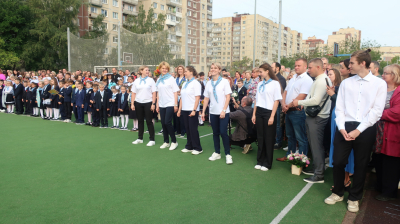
x,y
145,23
7,58
15,22
176,62
242,65
47,47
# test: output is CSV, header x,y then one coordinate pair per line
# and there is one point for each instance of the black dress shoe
x,y
314,180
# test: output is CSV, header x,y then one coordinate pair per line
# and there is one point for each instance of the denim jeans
x,y
166,114
220,127
279,130
296,131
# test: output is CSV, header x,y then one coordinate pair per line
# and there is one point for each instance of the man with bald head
x,y
115,76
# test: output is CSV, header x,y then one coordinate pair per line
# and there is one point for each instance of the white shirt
x,y
360,100
144,92
271,93
222,89
188,95
299,84
166,92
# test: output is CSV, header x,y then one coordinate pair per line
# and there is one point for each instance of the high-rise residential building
x,y
312,43
388,53
199,13
342,35
233,39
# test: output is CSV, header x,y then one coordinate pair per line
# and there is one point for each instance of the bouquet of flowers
x,y
157,72
235,95
299,160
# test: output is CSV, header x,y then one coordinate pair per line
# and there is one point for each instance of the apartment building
x,y
233,39
312,43
199,23
342,35
388,53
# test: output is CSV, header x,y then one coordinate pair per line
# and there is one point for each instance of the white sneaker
x,y
257,167
137,141
151,143
263,168
286,148
173,146
229,159
331,200
214,157
195,152
186,150
352,206
165,145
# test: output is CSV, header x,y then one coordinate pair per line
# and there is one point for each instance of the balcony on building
x,y
170,20
96,2
129,12
209,12
133,2
93,15
174,2
178,33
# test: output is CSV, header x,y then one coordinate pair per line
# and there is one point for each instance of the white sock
x,y
114,121
117,120
135,123
12,108
8,108
35,111
122,120
127,120
41,113
56,113
50,112
89,117
200,120
154,122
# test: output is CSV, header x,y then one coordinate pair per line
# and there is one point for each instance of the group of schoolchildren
x,y
56,100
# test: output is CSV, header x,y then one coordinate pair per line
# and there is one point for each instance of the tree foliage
x,y
145,22
7,58
242,65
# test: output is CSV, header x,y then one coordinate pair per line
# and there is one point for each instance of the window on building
x,y
194,41
155,5
162,7
104,1
130,8
115,27
202,42
244,32
195,14
155,15
202,33
202,51
244,22
194,59
194,50
105,25
115,39
115,3
194,5
195,24
189,13
106,50
203,6
115,15
189,3
189,40
203,25
104,13
203,16
93,10
189,31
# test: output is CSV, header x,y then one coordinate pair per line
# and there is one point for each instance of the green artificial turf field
x,y
52,172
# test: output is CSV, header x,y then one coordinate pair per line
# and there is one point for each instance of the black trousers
x,y
362,147
67,108
387,174
75,112
191,126
19,109
143,110
166,115
96,117
266,137
27,107
103,116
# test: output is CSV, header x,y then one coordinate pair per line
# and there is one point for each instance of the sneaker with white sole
x,y
164,145
331,200
195,152
186,150
173,146
138,141
151,143
214,157
286,148
263,168
352,206
229,159
257,167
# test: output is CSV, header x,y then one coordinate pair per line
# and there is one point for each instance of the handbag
x,y
313,111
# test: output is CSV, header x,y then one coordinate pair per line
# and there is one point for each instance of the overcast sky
x,y
377,20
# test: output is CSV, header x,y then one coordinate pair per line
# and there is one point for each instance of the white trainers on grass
x,y
214,157
186,150
331,200
151,143
165,145
229,159
195,152
257,167
138,141
173,146
352,206
263,168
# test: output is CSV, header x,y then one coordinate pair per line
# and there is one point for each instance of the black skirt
x,y
114,109
132,114
124,112
9,99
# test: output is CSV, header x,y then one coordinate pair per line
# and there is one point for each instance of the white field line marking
x,y
212,133
291,204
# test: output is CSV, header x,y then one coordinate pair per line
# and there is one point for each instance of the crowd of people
x,y
348,115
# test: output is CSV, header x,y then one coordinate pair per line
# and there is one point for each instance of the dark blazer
x,y
25,93
242,93
73,97
80,98
55,97
88,96
18,92
97,99
61,99
67,94
123,106
115,77
46,94
33,95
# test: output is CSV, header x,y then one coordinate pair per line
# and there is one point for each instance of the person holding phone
x,y
315,123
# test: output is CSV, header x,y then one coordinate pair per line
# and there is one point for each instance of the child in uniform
x,y
88,109
18,91
54,101
67,100
61,100
46,98
25,95
114,113
32,100
8,95
80,103
96,114
102,105
123,108
2,105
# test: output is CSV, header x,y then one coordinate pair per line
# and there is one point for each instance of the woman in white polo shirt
x,y
188,110
269,93
218,93
144,98
167,104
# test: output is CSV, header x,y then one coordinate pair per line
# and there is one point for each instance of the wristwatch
x,y
224,111
154,104
176,105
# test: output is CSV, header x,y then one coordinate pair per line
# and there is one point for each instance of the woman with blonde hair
x,y
167,104
218,92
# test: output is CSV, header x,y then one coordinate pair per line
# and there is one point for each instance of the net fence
x,y
136,49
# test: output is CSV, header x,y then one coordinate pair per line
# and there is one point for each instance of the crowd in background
x,y
346,116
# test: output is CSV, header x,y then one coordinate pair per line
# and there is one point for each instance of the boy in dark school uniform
x,y
18,92
96,114
25,95
67,100
102,106
61,84
73,100
33,107
80,103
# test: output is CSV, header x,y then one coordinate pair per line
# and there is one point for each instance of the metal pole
x,y
186,41
69,50
119,46
255,33
280,32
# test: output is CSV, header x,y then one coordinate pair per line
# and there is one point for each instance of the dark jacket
x,y
46,94
97,100
61,99
18,92
125,104
33,95
242,93
67,94
240,133
80,98
88,96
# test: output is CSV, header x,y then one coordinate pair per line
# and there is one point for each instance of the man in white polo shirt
x,y
297,88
